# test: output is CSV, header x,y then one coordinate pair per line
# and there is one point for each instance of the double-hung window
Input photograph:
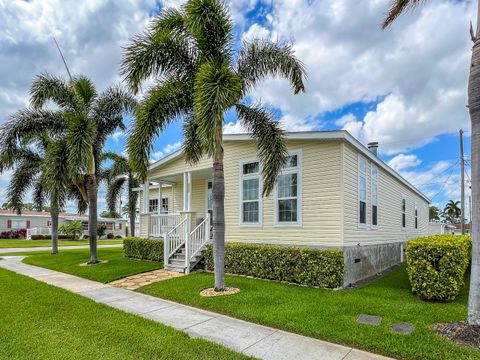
x,y
288,201
416,216
164,205
251,193
404,212
153,205
362,191
374,194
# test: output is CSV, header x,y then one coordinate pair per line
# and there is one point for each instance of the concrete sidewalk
x,y
45,248
251,339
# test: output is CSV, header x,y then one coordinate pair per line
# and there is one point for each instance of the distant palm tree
x,y
120,175
190,53
433,213
452,210
80,123
399,7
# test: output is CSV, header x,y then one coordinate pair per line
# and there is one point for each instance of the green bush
x,y
49,237
118,236
436,265
72,229
110,236
304,266
144,249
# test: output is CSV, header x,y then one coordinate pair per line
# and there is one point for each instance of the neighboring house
x,y
436,228
458,229
39,222
333,193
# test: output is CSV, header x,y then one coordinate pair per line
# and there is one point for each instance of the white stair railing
x,y
160,224
175,238
196,240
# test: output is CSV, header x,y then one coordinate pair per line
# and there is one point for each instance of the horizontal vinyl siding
x,y
35,221
178,166
321,225
390,191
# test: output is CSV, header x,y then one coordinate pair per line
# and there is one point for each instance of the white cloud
x,y
157,155
403,162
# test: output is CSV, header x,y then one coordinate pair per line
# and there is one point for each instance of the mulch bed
x,y
211,292
461,333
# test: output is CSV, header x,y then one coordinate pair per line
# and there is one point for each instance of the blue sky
x,y
404,87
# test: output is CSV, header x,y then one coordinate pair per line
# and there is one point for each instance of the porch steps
x,y
177,261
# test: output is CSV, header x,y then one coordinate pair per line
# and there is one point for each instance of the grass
x,y
331,315
16,243
40,321
116,267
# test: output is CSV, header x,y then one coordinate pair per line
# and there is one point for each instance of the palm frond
x,y
84,91
47,87
399,7
216,90
21,180
210,24
54,170
192,146
39,193
113,192
261,58
163,50
163,104
271,141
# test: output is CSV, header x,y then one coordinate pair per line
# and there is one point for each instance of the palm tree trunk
x,y
54,215
132,222
91,182
218,194
474,108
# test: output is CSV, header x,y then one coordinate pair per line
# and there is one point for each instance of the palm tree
x,y
80,124
199,77
433,213
399,7
120,175
452,211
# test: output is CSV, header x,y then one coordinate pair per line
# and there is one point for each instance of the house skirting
x,y
365,261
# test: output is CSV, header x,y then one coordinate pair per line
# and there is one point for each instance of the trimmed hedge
x,y
324,268
49,237
144,249
436,265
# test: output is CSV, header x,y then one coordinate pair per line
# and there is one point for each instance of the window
x,y
19,224
374,194
164,205
209,196
404,210
416,216
250,193
153,205
288,192
362,191
85,225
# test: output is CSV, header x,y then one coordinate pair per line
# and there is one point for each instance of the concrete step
x,y
179,269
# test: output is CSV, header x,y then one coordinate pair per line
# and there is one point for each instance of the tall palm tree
x,y
190,52
80,122
452,210
433,213
399,7
120,175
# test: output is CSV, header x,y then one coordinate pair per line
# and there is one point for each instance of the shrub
x,y
145,249
436,265
37,237
49,237
304,266
86,237
72,229
110,236
101,229
14,234
118,236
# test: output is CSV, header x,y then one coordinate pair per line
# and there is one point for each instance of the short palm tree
x,y
399,7
452,210
120,175
190,52
80,123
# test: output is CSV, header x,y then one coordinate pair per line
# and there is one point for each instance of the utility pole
x,y
462,180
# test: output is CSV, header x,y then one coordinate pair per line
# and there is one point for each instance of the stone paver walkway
x,y
251,339
147,278
44,248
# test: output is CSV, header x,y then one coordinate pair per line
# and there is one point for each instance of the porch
x,y
177,208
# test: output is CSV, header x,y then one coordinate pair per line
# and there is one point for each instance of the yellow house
x,y
333,193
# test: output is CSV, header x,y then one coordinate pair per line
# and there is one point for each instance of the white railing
x,y
38,231
160,224
175,238
196,240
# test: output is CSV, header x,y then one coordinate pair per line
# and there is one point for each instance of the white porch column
x,y
159,197
189,198
187,191
146,193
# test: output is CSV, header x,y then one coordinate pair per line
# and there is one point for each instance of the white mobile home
x,y
333,193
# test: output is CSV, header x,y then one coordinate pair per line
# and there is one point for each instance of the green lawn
x,y
15,243
331,315
40,321
69,261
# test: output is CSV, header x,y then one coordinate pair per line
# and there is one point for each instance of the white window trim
x,y
149,206
155,212
373,166
415,217
362,225
404,228
299,171
206,194
260,189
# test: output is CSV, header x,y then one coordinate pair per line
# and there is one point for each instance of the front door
x,y
209,198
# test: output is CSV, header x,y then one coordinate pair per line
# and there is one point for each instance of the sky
x,y
405,87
